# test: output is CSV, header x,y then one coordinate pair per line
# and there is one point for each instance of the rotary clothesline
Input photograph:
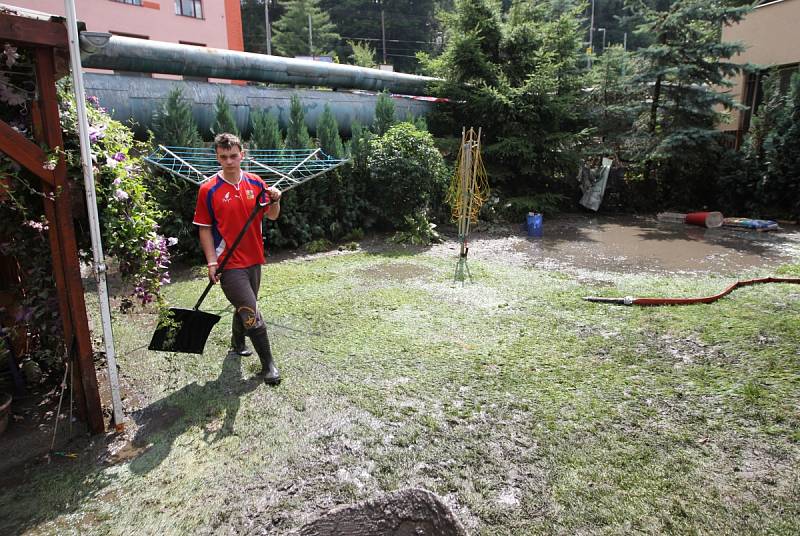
x,y
469,189
281,168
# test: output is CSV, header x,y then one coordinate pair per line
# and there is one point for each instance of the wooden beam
x,y
25,153
80,346
28,31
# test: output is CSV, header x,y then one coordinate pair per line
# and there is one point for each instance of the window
x,y
189,8
131,2
754,92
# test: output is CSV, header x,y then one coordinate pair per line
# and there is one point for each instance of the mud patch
x,y
632,244
124,453
395,271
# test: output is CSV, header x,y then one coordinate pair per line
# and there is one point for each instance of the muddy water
x,y
630,244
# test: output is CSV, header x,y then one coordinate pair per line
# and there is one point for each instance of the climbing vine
x,y
128,216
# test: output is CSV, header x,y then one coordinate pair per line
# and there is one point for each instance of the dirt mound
x,y
408,512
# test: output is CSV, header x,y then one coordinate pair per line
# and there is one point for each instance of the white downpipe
x,y
91,206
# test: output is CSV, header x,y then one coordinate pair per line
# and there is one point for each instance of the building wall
x,y
772,38
220,26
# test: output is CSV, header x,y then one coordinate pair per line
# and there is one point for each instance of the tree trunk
x,y
654,106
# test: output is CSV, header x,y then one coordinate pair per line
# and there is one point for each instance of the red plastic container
x,y
705,219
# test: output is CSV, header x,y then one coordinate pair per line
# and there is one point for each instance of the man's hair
x,y
226,140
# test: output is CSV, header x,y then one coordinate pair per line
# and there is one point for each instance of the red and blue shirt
x,y
225,208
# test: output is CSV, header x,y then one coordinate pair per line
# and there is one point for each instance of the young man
x,y
223,206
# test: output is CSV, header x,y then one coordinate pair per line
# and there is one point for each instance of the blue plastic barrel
x,y
534,223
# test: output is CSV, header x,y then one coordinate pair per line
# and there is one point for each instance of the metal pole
x,y
624,56
591,39
268,27
310,39
91,206
603,49
383,35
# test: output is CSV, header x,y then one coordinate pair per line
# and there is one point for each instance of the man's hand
x,y
274,194
212,272
274,207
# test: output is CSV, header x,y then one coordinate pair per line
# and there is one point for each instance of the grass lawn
x,y
529,410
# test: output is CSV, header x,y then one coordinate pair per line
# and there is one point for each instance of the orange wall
x,y
233,24
771,36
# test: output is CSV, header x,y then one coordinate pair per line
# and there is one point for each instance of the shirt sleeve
x,y
202,217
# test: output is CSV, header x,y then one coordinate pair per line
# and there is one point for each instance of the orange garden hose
x,y
630,300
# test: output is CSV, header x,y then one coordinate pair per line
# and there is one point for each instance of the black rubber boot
x,y
238,344
270,372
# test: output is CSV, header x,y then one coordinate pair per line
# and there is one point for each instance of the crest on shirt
x,y
250,194
227,197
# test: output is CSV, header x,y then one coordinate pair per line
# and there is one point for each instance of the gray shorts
x,y
240,286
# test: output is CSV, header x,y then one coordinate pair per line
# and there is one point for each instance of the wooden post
x,y
65,252
46,39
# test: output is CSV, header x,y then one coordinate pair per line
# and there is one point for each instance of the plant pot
x,y
5,411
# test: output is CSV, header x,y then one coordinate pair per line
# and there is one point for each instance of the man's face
x,y
230,159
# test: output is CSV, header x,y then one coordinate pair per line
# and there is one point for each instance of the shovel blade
x,y
186,332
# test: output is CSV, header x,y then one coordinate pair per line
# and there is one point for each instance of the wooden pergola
x,y
47,40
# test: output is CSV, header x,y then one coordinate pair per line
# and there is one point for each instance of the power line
x,y
388,40
401,55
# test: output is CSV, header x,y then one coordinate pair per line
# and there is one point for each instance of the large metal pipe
x,y
106,51
137,98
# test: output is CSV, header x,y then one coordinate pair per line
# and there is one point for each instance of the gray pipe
x,y
137,98
106,51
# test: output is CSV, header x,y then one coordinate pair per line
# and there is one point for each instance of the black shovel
x,y
186,330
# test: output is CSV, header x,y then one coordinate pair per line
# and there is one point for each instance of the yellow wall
x,y
771,34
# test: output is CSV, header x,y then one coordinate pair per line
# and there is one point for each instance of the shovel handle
x,y
258,206
203,295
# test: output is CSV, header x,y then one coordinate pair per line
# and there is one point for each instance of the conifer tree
x,y
290,32
520,79
680,72
265,132
328,133
783,155
384,114
612,102
223,117
297,133
358,147
173,124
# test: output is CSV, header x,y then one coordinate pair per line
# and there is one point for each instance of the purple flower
x,y
36,225
119,157
10,54
117,181
96,133
93,100
121,195
171,241
149,246
13,98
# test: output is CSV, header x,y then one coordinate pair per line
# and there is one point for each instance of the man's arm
x,y
207,244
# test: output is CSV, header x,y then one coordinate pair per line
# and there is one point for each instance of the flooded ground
x,y
529,414
635,244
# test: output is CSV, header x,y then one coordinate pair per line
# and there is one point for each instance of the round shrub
x,y
407,174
